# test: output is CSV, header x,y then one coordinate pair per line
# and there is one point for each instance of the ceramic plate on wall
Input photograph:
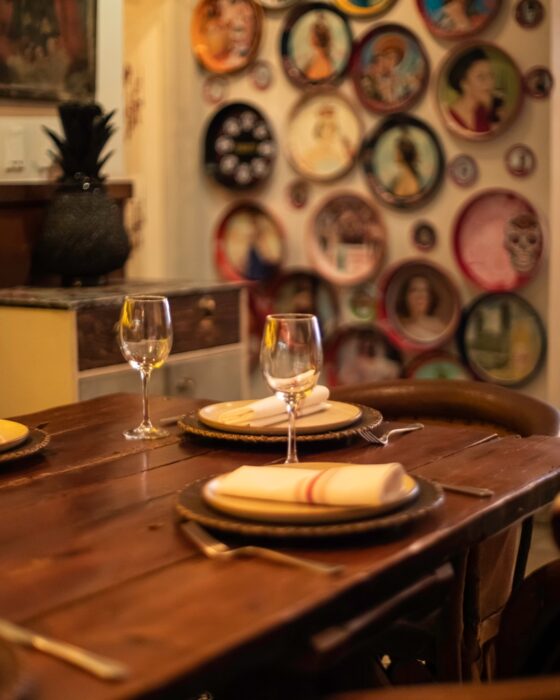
x,y
316,45
324,135
277,4
498,240
420,305
365,8
346,242
249,243
389,69
503,339
359,354
457,19
479,90
225,34
403,161
239,150
437,364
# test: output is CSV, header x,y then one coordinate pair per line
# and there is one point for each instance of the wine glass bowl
x,y
145,339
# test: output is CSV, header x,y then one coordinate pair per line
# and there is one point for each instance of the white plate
x,y
12,434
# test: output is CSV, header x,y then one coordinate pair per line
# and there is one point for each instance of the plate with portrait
x,y
498,240
503,339
249,243
225,34
520,160
239,146
479,91
529,13
424,236
420,305
365,8
324,136
316,44
538,82
389,69
463,170
362,302
457,19
358,354
437,364
403,161
346,241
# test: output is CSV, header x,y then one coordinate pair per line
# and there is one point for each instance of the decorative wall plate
x,y
249,243
239,149
364,8
389,68
316,44
479,90
538,82
424,236
403,161
346,242
261,74
225,34
437,364
362,302
463,170
277,4
520,160
503,339
324,135
298,193
457,19
498,240
529,13
359,354
214,89
420,305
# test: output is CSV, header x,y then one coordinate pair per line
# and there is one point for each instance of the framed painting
x,y
48,50
457,19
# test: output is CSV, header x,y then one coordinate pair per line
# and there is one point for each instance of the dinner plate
x,y
336,415
11,434
285,512
35,442
191,425
192,506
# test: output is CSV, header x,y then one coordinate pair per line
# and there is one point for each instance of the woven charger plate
x,y
36,441
190,424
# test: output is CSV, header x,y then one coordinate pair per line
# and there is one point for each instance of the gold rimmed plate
x,y
12,434
36,441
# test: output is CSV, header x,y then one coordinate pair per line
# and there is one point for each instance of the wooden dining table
x,y
91,552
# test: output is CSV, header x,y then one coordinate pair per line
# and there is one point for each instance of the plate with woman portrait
x,y
389,69
365,8
324,135
502,339
249,243
420,305
457,19
498,240
437,364
479,91
316,44
403,161
357,354
225,34
346,241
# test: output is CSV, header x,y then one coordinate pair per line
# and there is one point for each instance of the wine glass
x,y
291,359
145,337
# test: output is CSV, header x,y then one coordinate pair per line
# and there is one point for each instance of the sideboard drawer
x,y
199,321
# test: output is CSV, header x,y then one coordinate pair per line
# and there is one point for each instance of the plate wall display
x,y
463,170
240,149
389,69
346,241
503,339
365,8
479,90
520,160
529,13
249,243
498,240
457,19
420,304
424,236
403,161
437,364
324,135
538,82
362,302
225,34
359,354
316,44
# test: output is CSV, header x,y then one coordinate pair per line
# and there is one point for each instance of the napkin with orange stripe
x,y
333,483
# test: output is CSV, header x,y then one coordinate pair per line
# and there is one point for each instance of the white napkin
x,y
327,483
256,412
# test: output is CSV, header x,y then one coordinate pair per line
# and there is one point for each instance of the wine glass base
x,y
145,433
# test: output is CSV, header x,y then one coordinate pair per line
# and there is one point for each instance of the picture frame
x,y
538,82
389,68
529,14
424,236
365,8
49,51
457,19
520,160
479,91
437,364
362,302
261,74
215,89
297,192
463,170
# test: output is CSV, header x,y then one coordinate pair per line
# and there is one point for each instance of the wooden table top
x,y
90,551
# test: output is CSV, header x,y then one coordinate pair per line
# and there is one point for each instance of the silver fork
x,y
369,433
214,549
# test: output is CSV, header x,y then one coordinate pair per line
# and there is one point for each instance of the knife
x,y
100,666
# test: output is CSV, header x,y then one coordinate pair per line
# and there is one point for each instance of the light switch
x,y
14,150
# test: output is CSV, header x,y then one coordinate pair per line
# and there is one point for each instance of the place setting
x,y
18,441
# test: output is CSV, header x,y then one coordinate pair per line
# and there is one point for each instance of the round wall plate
x,y
276,4
520,160
297,192
529,13
362,302
365,8
214,89
424,236
456,19
502,339
437,364
261,74
538,82
479,90
463,170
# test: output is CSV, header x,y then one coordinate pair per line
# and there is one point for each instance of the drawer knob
x,y
207,305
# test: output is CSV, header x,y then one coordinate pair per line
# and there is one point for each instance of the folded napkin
x,y
332,483
273,410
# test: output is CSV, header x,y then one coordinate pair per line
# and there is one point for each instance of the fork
x,y
369,433
214,549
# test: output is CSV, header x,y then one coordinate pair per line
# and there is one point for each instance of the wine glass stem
x,y
146,422
291,407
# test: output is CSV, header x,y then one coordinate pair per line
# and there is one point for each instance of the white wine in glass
x,y
145,336
291,360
